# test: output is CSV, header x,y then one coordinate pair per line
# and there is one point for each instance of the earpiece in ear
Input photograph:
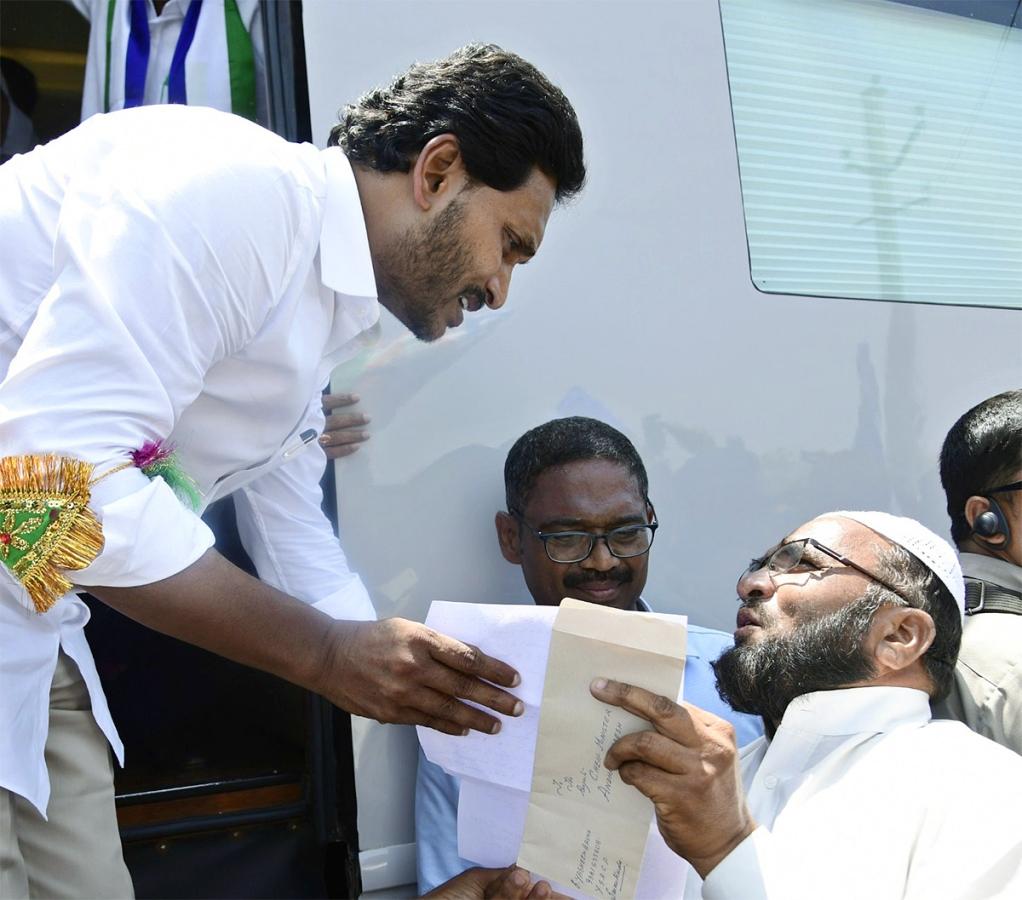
x,y
992,523
986,525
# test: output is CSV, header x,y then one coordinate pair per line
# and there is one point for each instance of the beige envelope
x,y
585,827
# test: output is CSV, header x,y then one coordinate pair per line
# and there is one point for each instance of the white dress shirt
x,y
173,273
859,795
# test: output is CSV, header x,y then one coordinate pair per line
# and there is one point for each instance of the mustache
x,y
762,617
578,579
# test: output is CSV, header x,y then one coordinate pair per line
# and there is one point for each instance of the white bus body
x,y
753,411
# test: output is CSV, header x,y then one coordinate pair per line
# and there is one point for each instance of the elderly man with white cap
x,y
848,628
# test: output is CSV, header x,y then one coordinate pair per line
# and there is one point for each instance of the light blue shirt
x,y
436,792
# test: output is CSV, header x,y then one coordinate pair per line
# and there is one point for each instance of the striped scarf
x,y
213,62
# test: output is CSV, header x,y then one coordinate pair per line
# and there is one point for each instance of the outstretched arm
x,y
393,671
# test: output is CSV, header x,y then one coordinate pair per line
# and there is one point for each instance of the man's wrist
x,y
704,865
327,667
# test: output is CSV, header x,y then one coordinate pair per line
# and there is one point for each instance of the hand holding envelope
x,y
688,767
539,791
585,829
510,883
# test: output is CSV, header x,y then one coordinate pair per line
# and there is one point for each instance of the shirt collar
x,y
346,265
989,568
855,710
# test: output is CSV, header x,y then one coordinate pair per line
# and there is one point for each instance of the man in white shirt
x,y
981,470
848,627
176,276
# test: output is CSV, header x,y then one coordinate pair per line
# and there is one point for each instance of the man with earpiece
x,y
981,470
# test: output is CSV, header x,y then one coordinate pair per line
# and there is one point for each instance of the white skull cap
x,y
933,552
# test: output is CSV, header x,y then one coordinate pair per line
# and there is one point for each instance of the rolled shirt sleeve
x,y
283,529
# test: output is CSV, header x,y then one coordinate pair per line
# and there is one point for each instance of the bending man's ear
x,y
438,172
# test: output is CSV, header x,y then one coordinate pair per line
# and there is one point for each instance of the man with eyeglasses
x,y
847,628
580,524
981,470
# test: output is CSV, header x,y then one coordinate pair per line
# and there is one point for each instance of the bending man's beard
x,y
822,654
421,278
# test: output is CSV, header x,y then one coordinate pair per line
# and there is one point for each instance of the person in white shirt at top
x,y
847,629
204,310
198,52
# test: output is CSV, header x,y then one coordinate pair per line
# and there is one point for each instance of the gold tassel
x,y
51,493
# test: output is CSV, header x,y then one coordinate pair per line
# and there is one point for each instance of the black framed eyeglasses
x,y
788,557
574,546
1004,488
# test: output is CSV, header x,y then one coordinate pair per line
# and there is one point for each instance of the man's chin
x,y
429,337
426,328
426,331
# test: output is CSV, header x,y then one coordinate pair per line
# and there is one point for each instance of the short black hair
x,y
562,441
508,119
982,450
923,590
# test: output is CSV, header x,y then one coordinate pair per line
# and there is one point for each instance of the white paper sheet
x,y
496,770
520,636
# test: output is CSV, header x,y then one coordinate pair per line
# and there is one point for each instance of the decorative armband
x,y
45,523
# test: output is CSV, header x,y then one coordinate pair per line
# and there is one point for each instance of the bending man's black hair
x,y
508,119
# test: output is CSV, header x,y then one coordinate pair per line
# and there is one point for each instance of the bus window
x,y
880,147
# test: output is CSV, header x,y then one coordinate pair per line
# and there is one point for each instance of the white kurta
x,y
206,70
173,273
859,795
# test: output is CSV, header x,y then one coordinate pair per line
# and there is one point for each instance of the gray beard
x,y
821,654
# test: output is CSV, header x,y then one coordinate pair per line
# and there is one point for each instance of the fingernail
x,y
364,436
366,419
464,732
354,398
519,709
520,878
517,680
324,440
599,684
495,727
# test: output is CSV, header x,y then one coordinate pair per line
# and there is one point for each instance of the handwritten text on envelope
x,y
584,826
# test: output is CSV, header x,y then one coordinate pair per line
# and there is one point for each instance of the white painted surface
x,y
753,412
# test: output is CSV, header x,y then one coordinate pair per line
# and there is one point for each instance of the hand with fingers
x,y
688,766
342,434
397,671
511,883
